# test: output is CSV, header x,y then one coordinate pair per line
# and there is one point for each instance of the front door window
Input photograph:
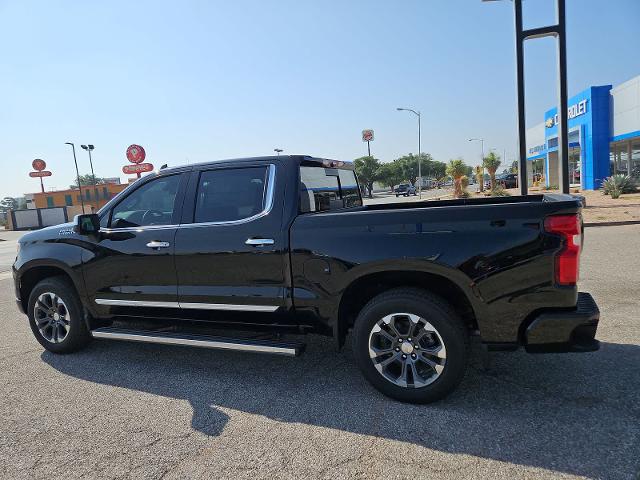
x,y
151,204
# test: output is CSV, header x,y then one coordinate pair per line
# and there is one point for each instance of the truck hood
x,y
49,233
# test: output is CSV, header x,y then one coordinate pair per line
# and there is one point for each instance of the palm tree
x,y
457,169
491,162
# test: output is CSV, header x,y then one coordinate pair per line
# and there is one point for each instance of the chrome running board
x,y
202,341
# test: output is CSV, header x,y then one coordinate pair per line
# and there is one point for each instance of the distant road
x,y
8,241
387,197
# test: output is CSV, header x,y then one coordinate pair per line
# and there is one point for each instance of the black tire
x,y
77,335
440,315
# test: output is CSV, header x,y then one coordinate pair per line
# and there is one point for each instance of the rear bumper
x,y
565,330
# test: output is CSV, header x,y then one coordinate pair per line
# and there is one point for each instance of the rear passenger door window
x,y
229,195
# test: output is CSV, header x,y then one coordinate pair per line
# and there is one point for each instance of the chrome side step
x,y
203,341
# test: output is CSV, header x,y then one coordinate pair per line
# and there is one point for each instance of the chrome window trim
x,y
189,305
268,206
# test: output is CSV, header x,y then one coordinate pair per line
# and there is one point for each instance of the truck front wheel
x,y
411,345
55,316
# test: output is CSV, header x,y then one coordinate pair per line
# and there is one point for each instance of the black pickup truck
x,y
239,254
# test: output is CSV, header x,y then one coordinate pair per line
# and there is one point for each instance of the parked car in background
x,y
405,189
508,180
505,180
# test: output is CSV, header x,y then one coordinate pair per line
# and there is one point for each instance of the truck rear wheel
x,y
411,345
56,316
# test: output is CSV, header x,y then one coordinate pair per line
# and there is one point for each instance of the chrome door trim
x,y
196,306
228,306
136,303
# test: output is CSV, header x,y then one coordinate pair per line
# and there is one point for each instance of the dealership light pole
x,y
559,32
278,151
77,173
400,109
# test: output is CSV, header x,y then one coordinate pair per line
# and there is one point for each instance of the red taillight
x,y
567,259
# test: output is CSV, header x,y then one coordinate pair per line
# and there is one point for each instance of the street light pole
x,y
73,147
278,151
88,148
481,140
419,147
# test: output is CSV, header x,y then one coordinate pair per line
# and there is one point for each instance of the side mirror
x,y
87,224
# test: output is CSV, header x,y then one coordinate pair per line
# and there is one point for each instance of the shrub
x,y
618,184
499,191
464,182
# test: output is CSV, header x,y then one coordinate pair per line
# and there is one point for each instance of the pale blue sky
x,y
196,81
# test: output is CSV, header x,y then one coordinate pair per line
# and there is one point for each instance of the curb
x,y
612,224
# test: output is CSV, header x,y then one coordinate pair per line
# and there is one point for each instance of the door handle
x,y
259,242
156,244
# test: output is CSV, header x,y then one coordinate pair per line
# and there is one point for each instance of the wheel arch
x,y
366,287
31,274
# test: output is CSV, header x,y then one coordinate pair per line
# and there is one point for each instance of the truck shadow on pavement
x,y
573,413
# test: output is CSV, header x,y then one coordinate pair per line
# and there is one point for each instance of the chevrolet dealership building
x,y
604,137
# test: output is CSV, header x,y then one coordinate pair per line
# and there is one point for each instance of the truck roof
x,y
269,158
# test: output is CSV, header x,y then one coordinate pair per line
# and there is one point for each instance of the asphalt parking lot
x,y
120,410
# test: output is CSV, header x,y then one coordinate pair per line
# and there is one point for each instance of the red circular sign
x,y
139,168
136,154
39,164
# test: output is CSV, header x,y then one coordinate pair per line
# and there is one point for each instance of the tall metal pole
x,y
563,101
419,159
419,146
73,147
521,120
93,175
368,148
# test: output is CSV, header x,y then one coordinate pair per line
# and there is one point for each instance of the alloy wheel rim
x,y
407,350
52,317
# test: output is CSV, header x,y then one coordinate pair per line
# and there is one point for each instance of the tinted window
x,y
230,194
324,189
151,204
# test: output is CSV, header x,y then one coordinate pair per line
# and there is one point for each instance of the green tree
x,y
457,169
8,203
367,169
429,168
514,167
409,167
87,180
390,174
492,162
